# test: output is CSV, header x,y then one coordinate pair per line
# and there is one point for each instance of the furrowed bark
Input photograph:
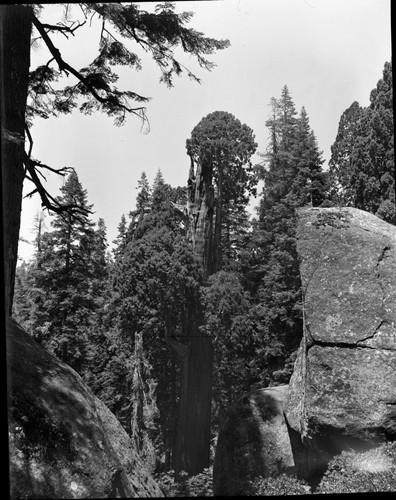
x,y
193,433
200,212
192,451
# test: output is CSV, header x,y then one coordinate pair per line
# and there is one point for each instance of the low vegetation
x,y
373,471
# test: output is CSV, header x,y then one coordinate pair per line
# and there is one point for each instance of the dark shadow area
x,y
311,463
64,442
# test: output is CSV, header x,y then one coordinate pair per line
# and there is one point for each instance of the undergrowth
x,y
370,471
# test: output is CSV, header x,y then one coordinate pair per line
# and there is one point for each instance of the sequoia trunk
x,y
200,212
193,435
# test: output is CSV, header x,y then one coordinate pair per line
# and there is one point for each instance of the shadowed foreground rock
x,y
252,442
343,390
64,442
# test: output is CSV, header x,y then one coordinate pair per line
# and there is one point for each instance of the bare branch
x,y
30,140
50,61
82,10
34,40
42,175
90,21
47,200
65,30
110,34
29,195
60,171
103,28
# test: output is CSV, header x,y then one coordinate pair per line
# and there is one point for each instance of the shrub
x,y
327,203
279,485
200,485
353,472
166,481
336,219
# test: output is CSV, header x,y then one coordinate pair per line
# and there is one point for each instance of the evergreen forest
x,y
198,300
122,317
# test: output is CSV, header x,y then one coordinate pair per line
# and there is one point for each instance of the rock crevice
x,y
343,388
384,254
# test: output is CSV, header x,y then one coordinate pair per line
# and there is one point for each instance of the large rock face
x,y
64,442
343,390
252,442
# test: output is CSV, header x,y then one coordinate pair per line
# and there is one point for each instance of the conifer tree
x,y
68,279
144,196
160,192
362,165
73,235
233,332
293,177
143,204
25,292
309,182
341,164
220,180
279,154
38,225
23,304
99,262
120,241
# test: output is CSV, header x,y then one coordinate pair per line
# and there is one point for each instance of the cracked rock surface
x,y
343,390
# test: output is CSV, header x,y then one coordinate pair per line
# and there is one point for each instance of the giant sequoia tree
x,y
157,33
220,177
220,182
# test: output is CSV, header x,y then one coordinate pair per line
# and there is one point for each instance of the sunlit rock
x,y
343,390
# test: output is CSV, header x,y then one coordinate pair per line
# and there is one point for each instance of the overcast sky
x,y
329,53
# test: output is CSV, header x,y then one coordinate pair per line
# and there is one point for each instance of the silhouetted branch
x,y
65,30
66,68
47,200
